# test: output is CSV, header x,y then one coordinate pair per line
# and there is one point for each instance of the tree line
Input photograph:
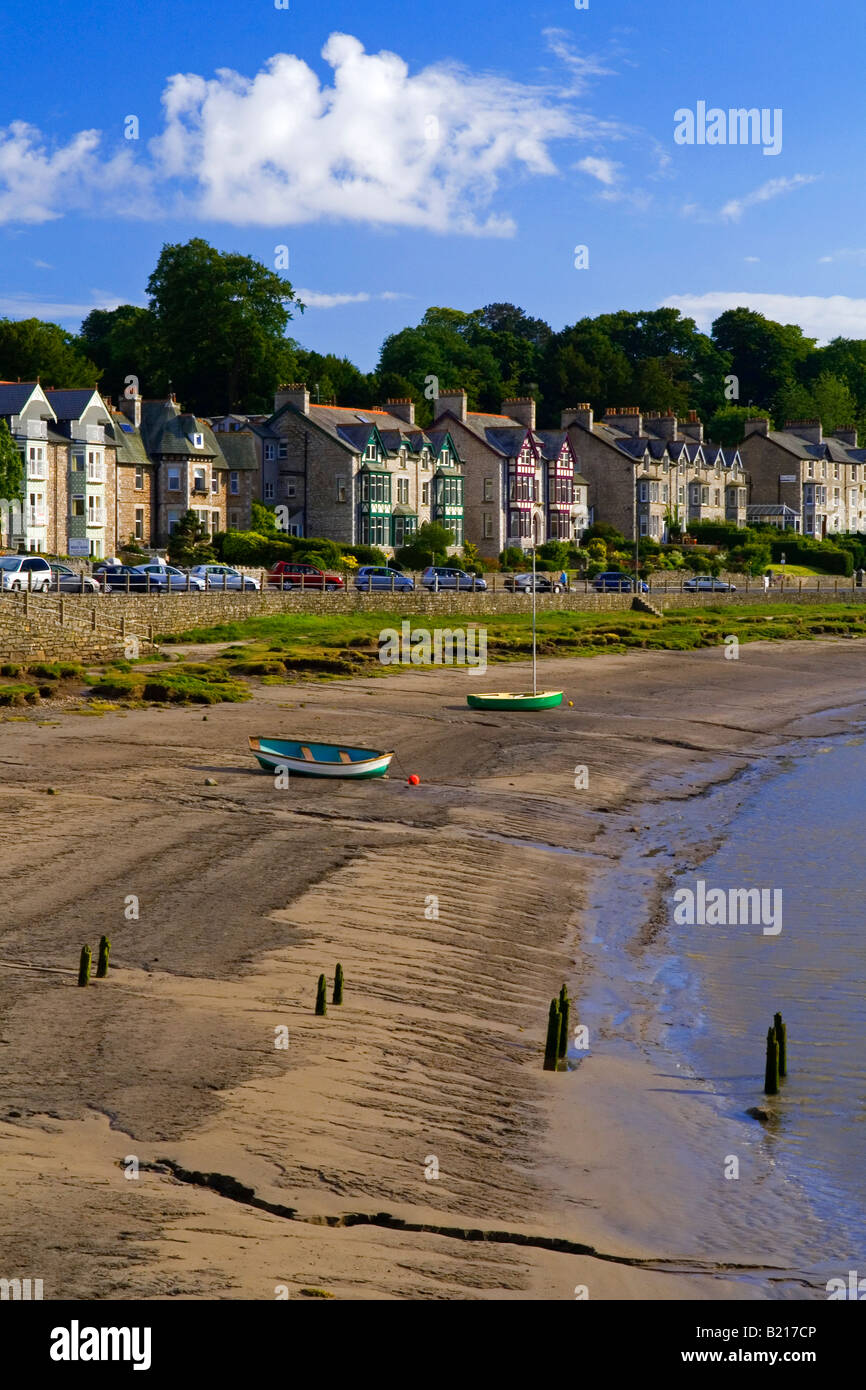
x,y
215,331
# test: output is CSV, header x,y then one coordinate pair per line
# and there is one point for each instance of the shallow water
x,y
802,832
699,998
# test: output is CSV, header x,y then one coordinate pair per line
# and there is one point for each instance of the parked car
x,y
223,577
123,579
618,582
68,581
704,582
544,583
169,577
287,574
370,577
25,572
443,577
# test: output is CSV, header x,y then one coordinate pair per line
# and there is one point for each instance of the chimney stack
x,y
576,415
759,425
663,426
131,407
806,429
294,394
846,434
520,408
403,408
626,418
692,427
455,401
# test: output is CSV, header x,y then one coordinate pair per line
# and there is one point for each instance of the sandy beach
x,y
547,1183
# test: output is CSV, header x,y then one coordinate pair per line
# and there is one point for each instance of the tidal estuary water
x,y
697,1000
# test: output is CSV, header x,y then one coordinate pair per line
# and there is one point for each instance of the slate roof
x,y
128,441
239,450
14,395
71,405
342,424
167,430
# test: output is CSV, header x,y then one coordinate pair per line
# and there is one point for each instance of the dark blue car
x,y
617,582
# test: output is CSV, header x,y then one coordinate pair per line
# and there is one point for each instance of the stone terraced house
x,y
67,502
359,476
647,473
519,479
821,482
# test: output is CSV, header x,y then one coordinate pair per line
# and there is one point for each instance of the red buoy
x,y
413,780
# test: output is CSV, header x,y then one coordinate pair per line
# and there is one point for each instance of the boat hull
x,y
278,755
545,699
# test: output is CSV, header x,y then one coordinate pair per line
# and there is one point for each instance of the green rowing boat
x,y
545,699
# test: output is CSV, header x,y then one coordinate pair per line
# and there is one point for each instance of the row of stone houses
x,y
96,477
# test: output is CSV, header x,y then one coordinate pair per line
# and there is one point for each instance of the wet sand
x,y
246,892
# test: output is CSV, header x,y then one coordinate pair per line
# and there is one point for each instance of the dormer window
x,y
198,441
371,453
445,458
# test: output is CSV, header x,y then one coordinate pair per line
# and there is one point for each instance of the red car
x,y
286,574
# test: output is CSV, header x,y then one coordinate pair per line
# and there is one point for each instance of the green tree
x,y
764,354
428,546
220,321
11,466
727,426
122,342
189,543
31,349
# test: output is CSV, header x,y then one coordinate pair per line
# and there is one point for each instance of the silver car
x,y
167,577
223,577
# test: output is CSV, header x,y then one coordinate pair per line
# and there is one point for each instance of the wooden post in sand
x,y
782,1039
84,966
321,996
554,1026
564,1009
771,1072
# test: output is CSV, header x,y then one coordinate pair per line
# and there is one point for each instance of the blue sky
x,y
454,155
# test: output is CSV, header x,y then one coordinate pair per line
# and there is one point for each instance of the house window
x,y
199,482
283,449
172,518
425,459
705,496
488,490
139,524
403,490
173,483
578,496
291,488
215,482
643,525
376,487
403,528
234,483
445,458
717,495
214,522
425,494
234,521
269,492
643,494
340,481
665,492
139,477
198,441
371,453
681,495
78,506
487,520
835,470
270,453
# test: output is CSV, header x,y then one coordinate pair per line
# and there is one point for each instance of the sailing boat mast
x,y
534,662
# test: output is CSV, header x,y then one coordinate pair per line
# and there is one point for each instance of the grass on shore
x,y
283,646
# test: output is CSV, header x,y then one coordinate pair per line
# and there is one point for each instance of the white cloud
x,y
317,299
377,146
24,306
823,318
773,188
848,253
752,260
605,170
374,145
39,184
41,265
580,67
